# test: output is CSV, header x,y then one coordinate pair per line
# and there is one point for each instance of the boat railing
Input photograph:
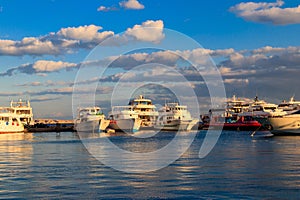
x,y
122,108
6,110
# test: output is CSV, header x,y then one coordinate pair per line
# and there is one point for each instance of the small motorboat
x,y
240,123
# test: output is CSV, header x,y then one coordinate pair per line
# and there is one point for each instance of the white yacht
x,y
90,119
260,108
286,123
175,117
235,105
146,110
10,122
23,109
290,106
124,118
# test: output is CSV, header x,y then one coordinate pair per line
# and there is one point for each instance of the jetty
x,y
50,125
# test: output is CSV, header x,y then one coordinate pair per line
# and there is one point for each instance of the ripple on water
x,y
48,166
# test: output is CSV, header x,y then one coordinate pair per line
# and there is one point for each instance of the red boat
x,y
243,123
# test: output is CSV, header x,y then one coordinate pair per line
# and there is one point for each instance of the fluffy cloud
x,y
28,45
50,66
150,31
265,57
64,41
132,4
71,39
267,12
40,66
86,33
127,4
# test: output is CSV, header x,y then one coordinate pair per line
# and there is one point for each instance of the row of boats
x,y
239,114
141,113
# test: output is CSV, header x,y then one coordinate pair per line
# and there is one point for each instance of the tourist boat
x,y
290,106
146,111
241,123
261,110
173,117
235,106
10,123
124,118
256,110
285,124
23,109
90,119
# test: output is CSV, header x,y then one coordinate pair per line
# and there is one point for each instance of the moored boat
x,y
90,119
124,118
260,110
146,111
10,123
241,123
174,117
286,124
23,109
289,106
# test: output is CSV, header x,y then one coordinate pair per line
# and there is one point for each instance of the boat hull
x,y
9,127
125,125
92,126
235,126
285,125
176,125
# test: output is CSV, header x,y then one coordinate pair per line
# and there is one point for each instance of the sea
x,y
61,166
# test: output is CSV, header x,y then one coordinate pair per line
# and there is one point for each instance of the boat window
x,y
4,118
270,108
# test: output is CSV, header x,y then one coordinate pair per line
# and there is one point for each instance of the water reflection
x,y
44,165
16,157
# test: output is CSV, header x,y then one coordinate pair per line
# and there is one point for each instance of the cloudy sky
x,y
48,47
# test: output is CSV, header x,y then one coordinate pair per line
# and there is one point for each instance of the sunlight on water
x,y
51,166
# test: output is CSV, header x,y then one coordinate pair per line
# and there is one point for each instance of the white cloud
x,y
40,67
71,39
106,9
150,31
51,66
64,41
132,4
28,45
263,12
85,33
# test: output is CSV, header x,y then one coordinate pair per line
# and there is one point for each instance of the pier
x,y
50,125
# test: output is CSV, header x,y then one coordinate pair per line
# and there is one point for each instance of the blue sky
x,y
255,45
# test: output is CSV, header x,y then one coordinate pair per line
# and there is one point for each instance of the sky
x,y
55,52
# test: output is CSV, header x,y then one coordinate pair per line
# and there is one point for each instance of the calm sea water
x,y
58,166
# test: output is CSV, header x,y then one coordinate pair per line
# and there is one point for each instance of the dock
x,y
51,125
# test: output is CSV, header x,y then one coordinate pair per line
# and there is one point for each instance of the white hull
x,y
92,126
125,125
289,124
11,128
176,125
10,123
